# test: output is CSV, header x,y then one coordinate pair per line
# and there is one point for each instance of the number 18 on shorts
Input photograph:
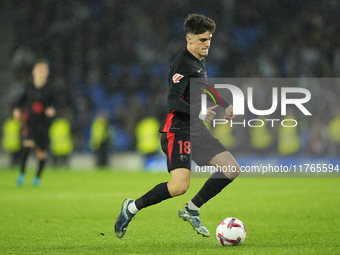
x,y
177,149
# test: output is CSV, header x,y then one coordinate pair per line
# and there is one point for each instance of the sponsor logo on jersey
x,y
198,71
177,77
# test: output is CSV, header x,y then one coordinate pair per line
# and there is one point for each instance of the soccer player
x,y
36,102
183,131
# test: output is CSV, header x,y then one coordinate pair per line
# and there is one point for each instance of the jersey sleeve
x,y
178,83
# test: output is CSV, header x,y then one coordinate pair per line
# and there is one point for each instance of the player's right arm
x,y
178,81
177,84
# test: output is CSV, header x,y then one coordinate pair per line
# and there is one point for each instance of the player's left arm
x,y
226,105
229,112
50,112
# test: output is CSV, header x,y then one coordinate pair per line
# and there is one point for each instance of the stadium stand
x,y
114,55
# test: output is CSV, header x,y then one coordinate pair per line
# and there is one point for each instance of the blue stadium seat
x,y
245,36
122,139
213,70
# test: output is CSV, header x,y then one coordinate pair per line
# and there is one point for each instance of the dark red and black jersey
x,y
184,102
184,96
35,101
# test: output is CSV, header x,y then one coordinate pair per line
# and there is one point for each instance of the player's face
x,y
200,44
40,71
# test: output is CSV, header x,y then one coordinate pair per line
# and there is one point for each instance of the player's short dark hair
x,y
41,60
198,24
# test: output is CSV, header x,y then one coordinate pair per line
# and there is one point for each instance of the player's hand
x,y
50,112
210,114
229,111
17,113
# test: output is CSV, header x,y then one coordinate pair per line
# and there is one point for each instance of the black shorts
x,y
38,134
180,149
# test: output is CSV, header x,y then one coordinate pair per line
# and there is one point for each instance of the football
x,y
230,231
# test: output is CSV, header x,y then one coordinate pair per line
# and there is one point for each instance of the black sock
x,y
159,193
40,167
211,188
25,153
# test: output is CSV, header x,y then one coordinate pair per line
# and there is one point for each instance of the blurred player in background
x,y
184,135
35,108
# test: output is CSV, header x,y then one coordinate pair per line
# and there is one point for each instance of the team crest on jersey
x,y
177,77
183,158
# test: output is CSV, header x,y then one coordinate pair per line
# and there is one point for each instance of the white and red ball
x,y
231,231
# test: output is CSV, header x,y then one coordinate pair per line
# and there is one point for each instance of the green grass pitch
x,y
73,212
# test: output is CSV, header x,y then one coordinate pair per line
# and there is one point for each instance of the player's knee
x,y
178,189
28,143
41,155
182,189
233,172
